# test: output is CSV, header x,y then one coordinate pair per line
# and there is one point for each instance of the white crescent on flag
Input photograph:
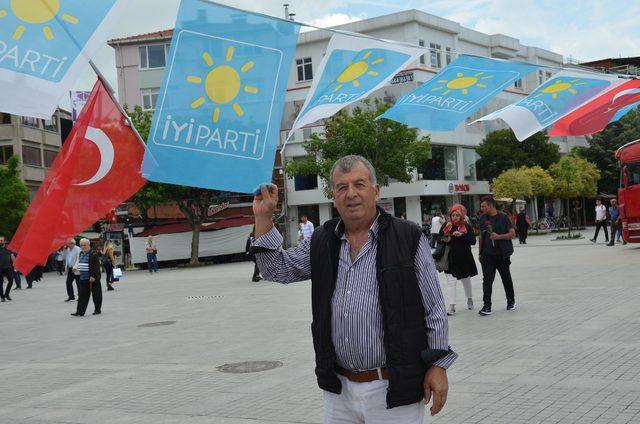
x,y
625,93
100,139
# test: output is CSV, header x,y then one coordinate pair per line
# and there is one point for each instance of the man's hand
x,y
264,205
494,236
436,384
92,280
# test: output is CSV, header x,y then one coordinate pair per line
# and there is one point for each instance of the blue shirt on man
x,y
83,265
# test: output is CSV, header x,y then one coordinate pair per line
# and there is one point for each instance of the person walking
x,y
436,225
89,286
306,227
60,261
152,255
6,270
461,266
616,223
523,223
108,263
252,257
379,322
496,248
601,221
71,260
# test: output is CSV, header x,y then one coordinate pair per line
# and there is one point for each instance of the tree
x,y
501,150
574,176
14,197
541,181
393,149
603,145
522,182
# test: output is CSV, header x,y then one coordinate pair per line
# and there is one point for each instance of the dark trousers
x,y
86,289
71,277
8,274
603,225
60,267
491,264
256,272
152,262
108,270
616,229
523,232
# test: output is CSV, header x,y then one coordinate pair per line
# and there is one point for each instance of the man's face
x,y
304,219
613,202
85,246
71,243
487,208
1,240
598,202
353,194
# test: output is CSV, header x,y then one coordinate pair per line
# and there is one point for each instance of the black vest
x,y
405,334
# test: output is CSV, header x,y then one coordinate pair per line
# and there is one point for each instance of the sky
x,y
578,29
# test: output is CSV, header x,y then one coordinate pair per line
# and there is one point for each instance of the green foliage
x,y
541,181
512,183
14,197
141,120
574,176
501,150
393,149
603,145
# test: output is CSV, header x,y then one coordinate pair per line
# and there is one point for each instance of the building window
x,y
32,122
51,124
518,84
435,55
149,98
5,118
31,156
304,69
49,157
448,55
153,56
422,58
5,153
544,76
441,165
469,159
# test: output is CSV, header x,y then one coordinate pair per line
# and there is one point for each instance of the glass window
x,y
149,98
448,55
304,69
435,55
442,165
49,157
633,174
5,118
32,122
31,156
153,56
422,59
51,124
469,159
518,84
5,153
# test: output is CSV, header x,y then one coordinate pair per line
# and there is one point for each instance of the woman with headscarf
x,y
459,236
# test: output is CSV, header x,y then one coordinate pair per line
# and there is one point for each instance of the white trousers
x,y
366,403
451,287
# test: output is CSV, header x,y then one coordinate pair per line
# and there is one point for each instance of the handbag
x,y
117,273
442,264
440,248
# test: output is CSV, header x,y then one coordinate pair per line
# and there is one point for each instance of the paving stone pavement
x,y
570,353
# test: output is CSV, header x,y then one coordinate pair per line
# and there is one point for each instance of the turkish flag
x,y
594,116
97,169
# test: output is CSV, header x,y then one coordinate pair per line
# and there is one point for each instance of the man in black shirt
x,y
496,248
6,270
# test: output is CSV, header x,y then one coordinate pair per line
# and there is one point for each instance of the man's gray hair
x,y
83,240
346,163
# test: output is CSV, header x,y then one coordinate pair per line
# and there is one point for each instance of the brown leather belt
x,y
364,376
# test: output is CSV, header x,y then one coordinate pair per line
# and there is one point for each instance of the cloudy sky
x,y
580,29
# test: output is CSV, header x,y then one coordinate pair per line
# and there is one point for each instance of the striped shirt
x,y
357,328
83,265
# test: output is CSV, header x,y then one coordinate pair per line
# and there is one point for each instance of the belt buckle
x,y
379,371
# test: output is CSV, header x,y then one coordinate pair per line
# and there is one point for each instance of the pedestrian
x,y
458,235
616,223
362,283
130,229
6,269
152,255
601,221
436,225
89,286
34,275
108,262
252,257
523,223
60,260
496,248
306,227
17,280
71,260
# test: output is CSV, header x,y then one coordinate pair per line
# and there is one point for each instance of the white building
x,y
449,177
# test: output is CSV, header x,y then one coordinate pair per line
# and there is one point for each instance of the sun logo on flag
x,y
37,12
462,83
222,84
357,69
560,86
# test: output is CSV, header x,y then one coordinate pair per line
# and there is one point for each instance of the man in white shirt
x,y
436,225
601,221
306,228
71,257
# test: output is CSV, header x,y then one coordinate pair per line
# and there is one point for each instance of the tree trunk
x,y
195,243
569,217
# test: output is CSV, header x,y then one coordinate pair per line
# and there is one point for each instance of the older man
x,y
71,260
379,322
89,267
